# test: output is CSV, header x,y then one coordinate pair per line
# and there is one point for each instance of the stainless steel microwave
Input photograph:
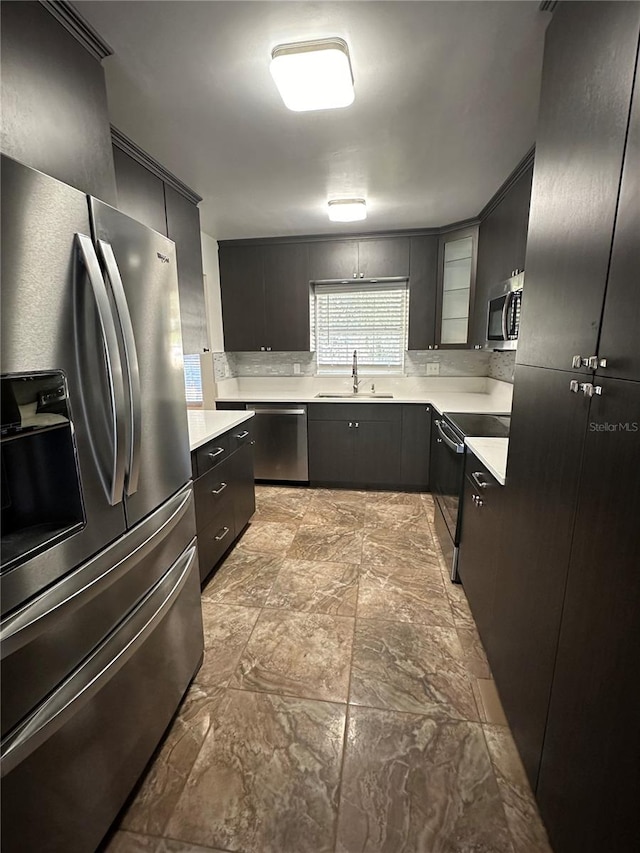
x,y
503,314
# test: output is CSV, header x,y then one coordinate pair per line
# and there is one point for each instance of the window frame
x,y
344,368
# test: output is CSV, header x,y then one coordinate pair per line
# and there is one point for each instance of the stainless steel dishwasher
x,y
281,451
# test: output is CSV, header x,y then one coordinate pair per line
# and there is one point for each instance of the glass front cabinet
x,y
456,285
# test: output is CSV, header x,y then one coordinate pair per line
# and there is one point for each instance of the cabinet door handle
x,y
220,489
477,500
589,390
241,435
574,386
357,424
475,476
219,536
350,424
215,452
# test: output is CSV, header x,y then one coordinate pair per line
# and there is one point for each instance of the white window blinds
x,y
192,379
371,318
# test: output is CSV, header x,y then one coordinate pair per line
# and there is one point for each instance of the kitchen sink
x,y
351,396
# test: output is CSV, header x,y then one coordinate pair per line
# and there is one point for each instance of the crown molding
x,y
79,28
524,165
345,238
136,153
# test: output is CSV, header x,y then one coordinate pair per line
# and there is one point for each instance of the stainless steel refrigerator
x,y
101,628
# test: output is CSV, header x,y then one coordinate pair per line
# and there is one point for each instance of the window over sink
x,y
370,317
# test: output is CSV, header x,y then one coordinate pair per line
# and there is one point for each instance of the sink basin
x,y
351,396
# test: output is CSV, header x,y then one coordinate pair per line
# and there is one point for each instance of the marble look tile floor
x,y
344,704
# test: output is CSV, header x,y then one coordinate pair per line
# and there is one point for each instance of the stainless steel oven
x,y
503,314
447,471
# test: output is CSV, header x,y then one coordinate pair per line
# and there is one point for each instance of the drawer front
x,y
241,435
482,481
212,490
355,412
212,453
216,538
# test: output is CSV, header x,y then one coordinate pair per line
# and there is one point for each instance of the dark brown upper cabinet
x,y
140,192
457,258
54,101
350,259
587,79
183,227
241,284
621,320
502,241
423,277
286,297
265,297
329,259
145,196
384,257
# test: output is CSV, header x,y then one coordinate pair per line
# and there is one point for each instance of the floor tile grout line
x,y
348,711
226,688
183,786
174,838
495,776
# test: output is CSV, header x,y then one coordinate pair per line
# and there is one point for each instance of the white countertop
x,y
206,424
492,452
478,395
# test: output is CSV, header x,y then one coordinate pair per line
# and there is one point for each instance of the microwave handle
x,y
505,315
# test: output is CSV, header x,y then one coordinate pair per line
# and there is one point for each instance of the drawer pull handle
x,y
242,435
220,489
480,483
216,452
221,536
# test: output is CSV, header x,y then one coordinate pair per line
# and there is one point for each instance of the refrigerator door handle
x,y
132,366
114,364
101,666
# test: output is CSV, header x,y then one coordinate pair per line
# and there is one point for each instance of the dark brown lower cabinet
x,y
548,427
330,451
416,443
589,784
480,543
355,445
224,493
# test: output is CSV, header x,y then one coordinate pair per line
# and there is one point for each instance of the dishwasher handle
x,y
272,411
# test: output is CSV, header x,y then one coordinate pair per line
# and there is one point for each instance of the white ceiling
x,y
446,106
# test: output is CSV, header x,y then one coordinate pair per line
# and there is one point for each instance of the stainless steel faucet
x,y
354,372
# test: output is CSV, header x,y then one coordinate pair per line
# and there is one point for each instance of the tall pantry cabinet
x,y
567,604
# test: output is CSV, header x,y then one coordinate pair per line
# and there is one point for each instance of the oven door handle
x,y
450,442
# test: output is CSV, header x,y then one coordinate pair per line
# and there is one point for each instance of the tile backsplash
x,y
502,365
452,363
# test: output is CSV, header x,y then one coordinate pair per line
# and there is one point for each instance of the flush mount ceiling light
x,y
313,75
347,210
